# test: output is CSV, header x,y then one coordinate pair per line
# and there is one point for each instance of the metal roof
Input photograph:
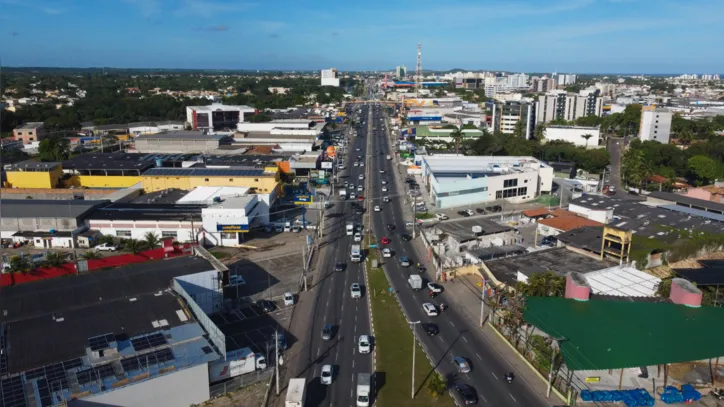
x,y
624,281
50,208
687,201
201,172
600,334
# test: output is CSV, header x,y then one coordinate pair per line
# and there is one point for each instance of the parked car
x,y
463,213
107,247
288,298
441,216
266,305
480,211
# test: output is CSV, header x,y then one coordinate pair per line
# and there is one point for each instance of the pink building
x,y
713,193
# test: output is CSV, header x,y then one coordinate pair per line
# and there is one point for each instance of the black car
x,y
339,266
406,238
494,208
467,393
390,226
327,332
266,305
480,210
463,214
430,329
359,211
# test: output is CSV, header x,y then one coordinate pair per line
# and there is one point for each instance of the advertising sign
x,y
232,228
237,362
327,165
303,200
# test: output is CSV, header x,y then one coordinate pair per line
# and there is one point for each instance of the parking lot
x,y
266,278
252,328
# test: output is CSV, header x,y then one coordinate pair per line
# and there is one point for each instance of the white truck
x,y
389,157
237,362
342,194
364,388
415,282
350,229
355,255
295,393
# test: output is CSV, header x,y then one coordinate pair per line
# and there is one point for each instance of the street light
x,y
414,346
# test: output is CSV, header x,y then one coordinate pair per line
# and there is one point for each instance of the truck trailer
x,y
236,363
364,388
296,393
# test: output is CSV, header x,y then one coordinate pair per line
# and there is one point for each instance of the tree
x,y
589,121
540,132
457,136
54,259
91,255
134,246
586,137
54,148
436,384
151,240
704,168
519,129
636,169
685,137
546,284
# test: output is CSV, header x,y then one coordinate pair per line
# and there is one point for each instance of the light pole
x,y
414,347
276,362
482,301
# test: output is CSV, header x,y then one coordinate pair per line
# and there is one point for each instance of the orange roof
x,y
558,212
265,150
713,189
566,223
658,179
536,212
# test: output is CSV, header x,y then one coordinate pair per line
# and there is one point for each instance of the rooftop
x,y
711,273
689,202
221,107
29,126
206,195
46,208
462,230
567,223
112,161
625,281
481,164
181,135
558,260
587,238
155,123
205,172
30,165
148,211
590,337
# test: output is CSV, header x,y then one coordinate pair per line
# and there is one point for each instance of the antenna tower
x,y
418,74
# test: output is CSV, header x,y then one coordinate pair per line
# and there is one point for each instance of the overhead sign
x,y
232,228
303,200
593,379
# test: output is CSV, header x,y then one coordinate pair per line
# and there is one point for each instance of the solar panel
x,y
130,364
44,392
86,376
101,342
146,342
12,392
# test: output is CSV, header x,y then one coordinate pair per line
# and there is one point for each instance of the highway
x,y
457,337
333,302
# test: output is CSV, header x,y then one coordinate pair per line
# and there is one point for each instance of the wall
x,y
573,135
102,181
263,183
599,215
31,179
700,193
454,188
528,179
55,193
63,224
184,232
182,388
650,119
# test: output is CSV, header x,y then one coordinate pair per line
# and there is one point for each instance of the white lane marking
x,y
336,355
465,339
511,396
496,377
319,350
352,363
451,323
478,355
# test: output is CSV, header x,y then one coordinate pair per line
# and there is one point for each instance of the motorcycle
x,y
509,377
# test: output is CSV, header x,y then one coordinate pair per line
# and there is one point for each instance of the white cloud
x,y
35,6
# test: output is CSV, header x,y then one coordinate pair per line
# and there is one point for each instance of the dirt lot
x,y
251,396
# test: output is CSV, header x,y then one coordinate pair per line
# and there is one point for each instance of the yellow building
x,y
263,180
33,174
109,170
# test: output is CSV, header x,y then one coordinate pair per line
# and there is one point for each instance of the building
x,y
439,134
139,128
179,142
400,72
118,170
122,337
466,180
33,174
217,117
569,107
543,84
330,77
261,180
575,135
517,81
655,124
505,117
30,132
181,223
714,193
566,79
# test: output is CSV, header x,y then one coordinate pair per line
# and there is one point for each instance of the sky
x,y
577,36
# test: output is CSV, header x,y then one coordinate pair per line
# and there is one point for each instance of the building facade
x,y
569,107
30,132
505,117
217,117
655,124
330,77
577,135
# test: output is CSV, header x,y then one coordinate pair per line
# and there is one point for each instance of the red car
x,y
360,198
385,240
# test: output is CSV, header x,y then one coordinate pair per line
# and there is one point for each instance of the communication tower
x,y
418,74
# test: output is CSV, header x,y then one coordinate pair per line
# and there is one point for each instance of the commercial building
x,y
466,180
655,124
569,107
179,142
217,117
566,79
30,132
439,134
577,135
139,128
544,84
97,170
263,181
505,117
33,174
400,72
181,223
330,77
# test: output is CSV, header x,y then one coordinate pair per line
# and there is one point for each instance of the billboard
x,y
303,200
238,228
326,165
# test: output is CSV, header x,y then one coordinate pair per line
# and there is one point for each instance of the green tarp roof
x,y
602,334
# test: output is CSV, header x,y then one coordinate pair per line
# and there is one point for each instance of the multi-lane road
x,y
350,317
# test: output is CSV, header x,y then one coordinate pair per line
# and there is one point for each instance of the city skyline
x,y
581,36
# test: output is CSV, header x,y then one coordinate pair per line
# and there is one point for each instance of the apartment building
x,y
565,106
30,132
506,115
655,124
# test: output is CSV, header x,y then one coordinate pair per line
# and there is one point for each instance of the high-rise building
x,y
505,117
655,124
564,106
400,72
544,84
330,77
515,81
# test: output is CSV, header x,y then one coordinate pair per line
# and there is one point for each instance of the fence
x,y
239,382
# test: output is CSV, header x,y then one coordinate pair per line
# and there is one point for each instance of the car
x,y
390,226
359,211
358,149
327,332
106,247
384,189
404,261
494,208
467,393
430,309
361,176
480,210
357,237
386,252
288,298
469,212
236,279
363,344
350,186
340,266
361,164
406,238
266,305
382,171
355,290
360,188
360,198
356,164
352,195
326,375
430,329
461,364
385,240
441,216
386,199
463,213
281,340
434,287
296,228
384,182
377,208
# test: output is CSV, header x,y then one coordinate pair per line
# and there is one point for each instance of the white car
x,y
360,188
361,176
106,247
352,195
326,375
429,309
288,298
361,164
384,189
364,344
441,216
386,252
434,287
358,149
377,208
382,171
409,223
356,164
384,182
355,291
357,237
386,199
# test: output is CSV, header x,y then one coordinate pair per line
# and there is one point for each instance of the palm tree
x,y
540,132
151,240
91,255
457,136
685,137
18,264
519,130
587,137
54,259
134,246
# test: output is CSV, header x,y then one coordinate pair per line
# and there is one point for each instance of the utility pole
x,y
482,302
276,362
414,347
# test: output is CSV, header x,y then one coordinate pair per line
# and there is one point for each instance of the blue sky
x,y
621,36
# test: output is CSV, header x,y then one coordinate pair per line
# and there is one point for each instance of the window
x,y
256,179
498,194
228,235
31,138
123,233
525,181
522,191
169,233
231,179
20,133
510,183
206,179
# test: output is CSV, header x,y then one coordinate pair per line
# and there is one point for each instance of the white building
x,y
574,134
560,105
468,180
566,79
217,117
330,77
140,128
516,81
655,124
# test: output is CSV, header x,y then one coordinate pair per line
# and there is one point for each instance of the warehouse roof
x,y
689,202
46,208
144,211
208,172
599,334
462,230
181,135
29,126
566,223
34,165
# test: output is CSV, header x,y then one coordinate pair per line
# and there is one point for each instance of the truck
x,y
350,228
363,389
389,157
342,194
236,363
415,282
296,391
355,255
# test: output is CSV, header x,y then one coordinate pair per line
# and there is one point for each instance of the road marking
x,y
336,355
478,355
465,339
352,363
511,396
319,350
451,323
496,377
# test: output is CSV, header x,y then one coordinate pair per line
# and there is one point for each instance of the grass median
x,y
393,344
